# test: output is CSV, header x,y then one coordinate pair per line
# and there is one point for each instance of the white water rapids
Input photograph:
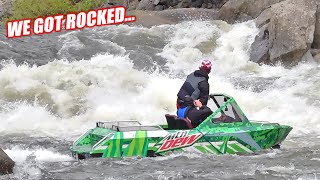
x,y
66,98
62,99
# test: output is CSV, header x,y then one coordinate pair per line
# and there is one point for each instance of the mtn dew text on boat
x,y
213,135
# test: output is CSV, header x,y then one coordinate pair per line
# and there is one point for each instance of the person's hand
x,y
197,103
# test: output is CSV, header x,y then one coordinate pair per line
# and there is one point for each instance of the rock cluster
x,y
289,29
158,5
287,33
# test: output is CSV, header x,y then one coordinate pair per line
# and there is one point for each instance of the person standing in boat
x,y
196,85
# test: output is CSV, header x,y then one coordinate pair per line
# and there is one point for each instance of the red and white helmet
x,y
206,65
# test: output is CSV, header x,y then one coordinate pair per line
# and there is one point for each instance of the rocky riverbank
x,y
289,30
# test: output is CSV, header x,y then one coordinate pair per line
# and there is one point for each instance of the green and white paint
x,y
212,136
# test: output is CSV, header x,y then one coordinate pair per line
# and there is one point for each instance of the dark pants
x,y
197,116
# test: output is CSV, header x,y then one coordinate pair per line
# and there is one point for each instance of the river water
x,y
55,87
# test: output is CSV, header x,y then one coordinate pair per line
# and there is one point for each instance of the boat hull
x,y
231,138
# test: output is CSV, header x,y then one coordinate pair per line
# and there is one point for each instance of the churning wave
x,y
138,79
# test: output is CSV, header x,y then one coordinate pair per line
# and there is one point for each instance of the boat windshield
x,y
226,109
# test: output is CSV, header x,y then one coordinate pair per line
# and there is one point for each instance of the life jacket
x,y
190,86
182,112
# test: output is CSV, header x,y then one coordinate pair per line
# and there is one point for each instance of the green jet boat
x,y
226,130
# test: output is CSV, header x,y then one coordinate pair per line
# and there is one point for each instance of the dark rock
x,y
204,5
197,3
173,3
146,5
286,33
159,8
314,51
185,4
163,2
233,10
316,41
217,3
6,164
260,47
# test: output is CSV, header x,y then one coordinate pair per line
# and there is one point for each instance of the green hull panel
x,y
111,140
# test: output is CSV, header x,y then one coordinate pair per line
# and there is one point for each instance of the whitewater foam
x,y
20,155
66,98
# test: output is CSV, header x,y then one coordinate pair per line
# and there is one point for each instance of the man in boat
x,y
196,85
193,110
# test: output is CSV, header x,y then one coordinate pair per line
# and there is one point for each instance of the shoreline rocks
x,y
288,29
6,164
286,33
158,5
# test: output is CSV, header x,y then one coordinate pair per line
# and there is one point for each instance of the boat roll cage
x,y
127,126
227,106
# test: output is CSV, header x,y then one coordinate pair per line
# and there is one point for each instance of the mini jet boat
x,y
226,130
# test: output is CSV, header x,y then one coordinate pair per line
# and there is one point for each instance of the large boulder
x,y
232,9
260,47
286,32
6,164
169,4
235,10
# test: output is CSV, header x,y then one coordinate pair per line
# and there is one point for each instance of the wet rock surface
x,y
288,29
6,163
286,33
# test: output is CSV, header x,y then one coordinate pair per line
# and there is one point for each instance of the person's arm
x,y
198,115
204,92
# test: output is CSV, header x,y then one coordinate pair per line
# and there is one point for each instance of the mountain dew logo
x,y
176,140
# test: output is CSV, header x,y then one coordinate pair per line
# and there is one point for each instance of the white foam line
x,y
42,155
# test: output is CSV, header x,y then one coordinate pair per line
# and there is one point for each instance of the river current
x,y
55,87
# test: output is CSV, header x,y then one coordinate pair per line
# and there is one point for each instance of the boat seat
x,y
183,123
177,123
171,120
